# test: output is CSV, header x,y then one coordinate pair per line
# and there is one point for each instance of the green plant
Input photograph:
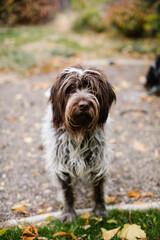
x,y
127,17
26,11
90,19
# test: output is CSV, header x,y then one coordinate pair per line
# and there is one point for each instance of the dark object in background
x,y
153,78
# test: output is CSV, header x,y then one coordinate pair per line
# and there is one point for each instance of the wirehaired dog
x,y
75,133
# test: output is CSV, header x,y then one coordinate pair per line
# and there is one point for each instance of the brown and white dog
x,y
75,133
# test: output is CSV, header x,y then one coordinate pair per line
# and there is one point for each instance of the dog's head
x,y
81,99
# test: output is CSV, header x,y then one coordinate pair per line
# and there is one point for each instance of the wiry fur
x,y
78,152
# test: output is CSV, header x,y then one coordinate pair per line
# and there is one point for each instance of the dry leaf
x,y
41,211
157,114
12,118
148,194
156,154
111,199
112,221
61,234
28,140
134,194
28,238
139,146
30,230
131,232
139,203
22,210
107,235
142,79
85,215
86,227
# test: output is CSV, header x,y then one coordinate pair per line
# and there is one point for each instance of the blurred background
x,y
37,40
38,36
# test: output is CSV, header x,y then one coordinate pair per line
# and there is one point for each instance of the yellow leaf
x,y
131,232
41,211
107,235
61,234
112,221
2,232
85,215
139,203
50,218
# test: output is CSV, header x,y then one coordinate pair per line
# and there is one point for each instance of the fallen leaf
x,y
112,221
157,114
107,235
28,238
142,79
30,230
50,218
139,146
85,215
28,140
131,232
112,141
97,219
124,84
111,199
12,118
86,227
2,231
156,154
148,194
22,210
41,211
134,194
139,203
61,234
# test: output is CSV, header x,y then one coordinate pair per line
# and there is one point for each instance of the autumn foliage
x,y
27,11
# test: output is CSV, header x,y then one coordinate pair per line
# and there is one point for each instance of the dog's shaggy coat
x,y
75,133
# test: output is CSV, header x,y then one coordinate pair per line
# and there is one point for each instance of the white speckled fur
x,y
55,158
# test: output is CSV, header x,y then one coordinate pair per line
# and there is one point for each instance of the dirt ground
x,y
135,140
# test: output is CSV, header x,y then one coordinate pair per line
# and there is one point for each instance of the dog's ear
x,y
108,96
57,118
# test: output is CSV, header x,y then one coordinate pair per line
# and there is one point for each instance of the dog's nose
x,y
83,105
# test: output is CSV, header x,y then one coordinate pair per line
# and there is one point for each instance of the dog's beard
x,y
78,122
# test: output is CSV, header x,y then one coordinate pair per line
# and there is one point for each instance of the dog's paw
x,y
68,216
100,211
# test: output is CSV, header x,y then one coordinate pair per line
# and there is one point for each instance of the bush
x,y
127,17
88,20
26,11
152,25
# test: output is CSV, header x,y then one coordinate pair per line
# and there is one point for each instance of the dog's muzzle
x,y
81,114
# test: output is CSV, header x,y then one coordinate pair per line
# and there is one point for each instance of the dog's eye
x,y
69,89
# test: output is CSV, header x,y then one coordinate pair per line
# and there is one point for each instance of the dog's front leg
x,y
68,212
99,208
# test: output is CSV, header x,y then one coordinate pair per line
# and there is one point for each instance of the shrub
x,y
26,11
127,17
88,20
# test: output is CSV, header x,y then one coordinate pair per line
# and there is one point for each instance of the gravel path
x,y
135,139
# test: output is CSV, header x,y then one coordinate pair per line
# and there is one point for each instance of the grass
x,y
148,220
27,47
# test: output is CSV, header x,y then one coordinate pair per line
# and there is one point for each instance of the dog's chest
x,y
79,157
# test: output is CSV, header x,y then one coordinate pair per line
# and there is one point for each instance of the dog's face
x,y
81,100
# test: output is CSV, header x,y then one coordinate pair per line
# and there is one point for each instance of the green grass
x,y
148,220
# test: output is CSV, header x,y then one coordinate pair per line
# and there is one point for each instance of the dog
x,y
153,78
75,133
